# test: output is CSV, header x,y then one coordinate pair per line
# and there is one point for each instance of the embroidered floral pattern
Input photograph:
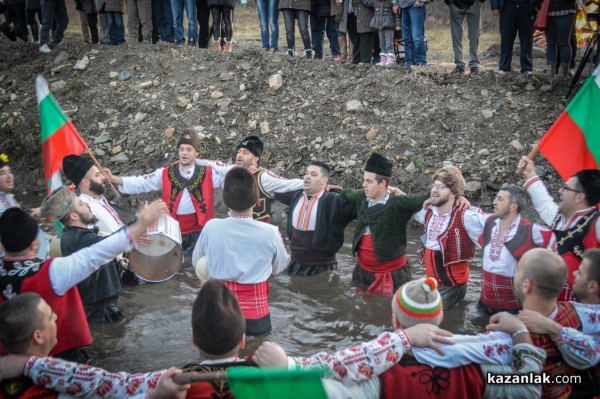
x,y
496,246
436,379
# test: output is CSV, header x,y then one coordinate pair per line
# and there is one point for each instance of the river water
x,y
309,314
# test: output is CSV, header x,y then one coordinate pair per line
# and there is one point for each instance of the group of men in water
x,y
243,250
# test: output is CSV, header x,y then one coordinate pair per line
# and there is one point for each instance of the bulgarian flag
x,y
265,383
573,141
59,136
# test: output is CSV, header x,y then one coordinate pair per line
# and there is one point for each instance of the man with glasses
x,y
447,245
574,220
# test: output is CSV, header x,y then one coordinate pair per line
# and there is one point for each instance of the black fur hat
x,y
379,164
18,230
252,144
75,167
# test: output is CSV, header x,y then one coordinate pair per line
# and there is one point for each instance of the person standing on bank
x,y
300,10
459,10
516,16
222,11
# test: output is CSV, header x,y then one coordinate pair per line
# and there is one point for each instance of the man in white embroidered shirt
x,y
187,189
243,252
574,220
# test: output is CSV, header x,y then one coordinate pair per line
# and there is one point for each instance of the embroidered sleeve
x,y
579,350
542,201
142,184
474,221
83,381
589,315
360,362
489,348
526,359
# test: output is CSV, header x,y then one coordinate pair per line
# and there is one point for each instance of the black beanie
x,y
218,324
252,144
240,191
75,167
18,230
379,164
589,179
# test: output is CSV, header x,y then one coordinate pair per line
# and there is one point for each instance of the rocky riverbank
x,y
130,102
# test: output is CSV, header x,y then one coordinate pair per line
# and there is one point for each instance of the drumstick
x,y
191,377
100,168
532,154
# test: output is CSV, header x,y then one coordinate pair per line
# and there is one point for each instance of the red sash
x,y
252,298
188,223
367,259
497,291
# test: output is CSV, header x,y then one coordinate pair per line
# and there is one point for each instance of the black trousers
x,y
32,23
53,11
516,19
354,38
222,14
203,17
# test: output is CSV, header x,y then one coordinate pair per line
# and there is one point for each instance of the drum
x,y
161,259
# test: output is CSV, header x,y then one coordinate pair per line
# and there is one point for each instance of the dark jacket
x,y
103,284
560,5
323,8
295,4
499,5
462,4
221,3
333,215
386,222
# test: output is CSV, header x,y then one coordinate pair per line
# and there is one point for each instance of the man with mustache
x,y
249,152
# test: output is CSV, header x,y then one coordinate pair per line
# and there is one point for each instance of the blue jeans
x,y
268,15
413,33
318,27
190,10
163,19
289,17
116,28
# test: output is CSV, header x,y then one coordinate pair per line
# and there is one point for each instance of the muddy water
x,y
308,315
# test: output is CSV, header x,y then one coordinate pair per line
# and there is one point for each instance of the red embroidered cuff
x,y
405,341
29,365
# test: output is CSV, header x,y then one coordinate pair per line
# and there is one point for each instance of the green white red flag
x,y
573,142
59,136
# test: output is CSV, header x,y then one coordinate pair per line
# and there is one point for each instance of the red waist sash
x,y
497,291
188,223
252,298
367,259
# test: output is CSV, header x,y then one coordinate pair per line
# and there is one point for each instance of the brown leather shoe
x,y
216,47
228,47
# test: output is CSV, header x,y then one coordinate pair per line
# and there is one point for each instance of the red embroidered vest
x,y
199,186
262,209
555,365
217,389
455,244
416,381
518,245
72,327
572,243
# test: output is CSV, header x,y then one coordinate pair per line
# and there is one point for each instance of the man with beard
x,y
446,241
574,220
187,189
504,236
249,151
90,182
100,291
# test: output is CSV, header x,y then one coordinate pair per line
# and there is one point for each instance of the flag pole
x,y
91,154
191,377
532,154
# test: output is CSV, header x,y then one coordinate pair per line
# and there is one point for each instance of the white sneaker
x,y
45,49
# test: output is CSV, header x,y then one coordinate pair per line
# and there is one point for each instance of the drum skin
x,y
161,259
